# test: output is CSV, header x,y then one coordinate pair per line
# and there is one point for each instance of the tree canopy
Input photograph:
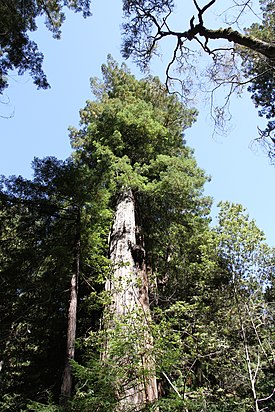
x,y
260,71
18,19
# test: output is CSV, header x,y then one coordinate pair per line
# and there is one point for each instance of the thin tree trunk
x,y
66,386
127,320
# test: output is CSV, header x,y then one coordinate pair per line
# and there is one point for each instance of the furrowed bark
x,y
127,320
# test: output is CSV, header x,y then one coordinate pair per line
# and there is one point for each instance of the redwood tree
x,y
131,139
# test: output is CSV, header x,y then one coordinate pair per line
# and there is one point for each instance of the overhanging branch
x,y
252,43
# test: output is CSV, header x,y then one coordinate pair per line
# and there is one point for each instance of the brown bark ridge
x,y
127,320
66,385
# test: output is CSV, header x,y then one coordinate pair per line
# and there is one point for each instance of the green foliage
x,y
207,342
38,231
37,236
95,388
242,244
211,290
195,273
40,407
259,69
18,18
251,264
132,118
131,135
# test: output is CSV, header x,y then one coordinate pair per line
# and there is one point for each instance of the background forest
x,y
117,294
210,289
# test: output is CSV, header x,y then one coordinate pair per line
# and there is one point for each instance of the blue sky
x,y
41,117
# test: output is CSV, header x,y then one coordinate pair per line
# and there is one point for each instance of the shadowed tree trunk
x,y
66,386
127,320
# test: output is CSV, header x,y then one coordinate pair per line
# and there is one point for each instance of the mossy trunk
x,y
129,343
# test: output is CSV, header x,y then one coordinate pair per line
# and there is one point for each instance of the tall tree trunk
x,y
127,320
66,386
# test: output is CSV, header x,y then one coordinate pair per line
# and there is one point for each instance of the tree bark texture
x,y
128,316
66,386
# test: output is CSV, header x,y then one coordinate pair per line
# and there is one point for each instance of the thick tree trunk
x,y
66,386
127,320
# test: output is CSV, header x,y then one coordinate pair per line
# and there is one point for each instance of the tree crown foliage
x,y
18,18
260,70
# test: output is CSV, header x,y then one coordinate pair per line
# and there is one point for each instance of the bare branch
x,y
170,64
267,398
149,26
171,383
207,6
201,11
